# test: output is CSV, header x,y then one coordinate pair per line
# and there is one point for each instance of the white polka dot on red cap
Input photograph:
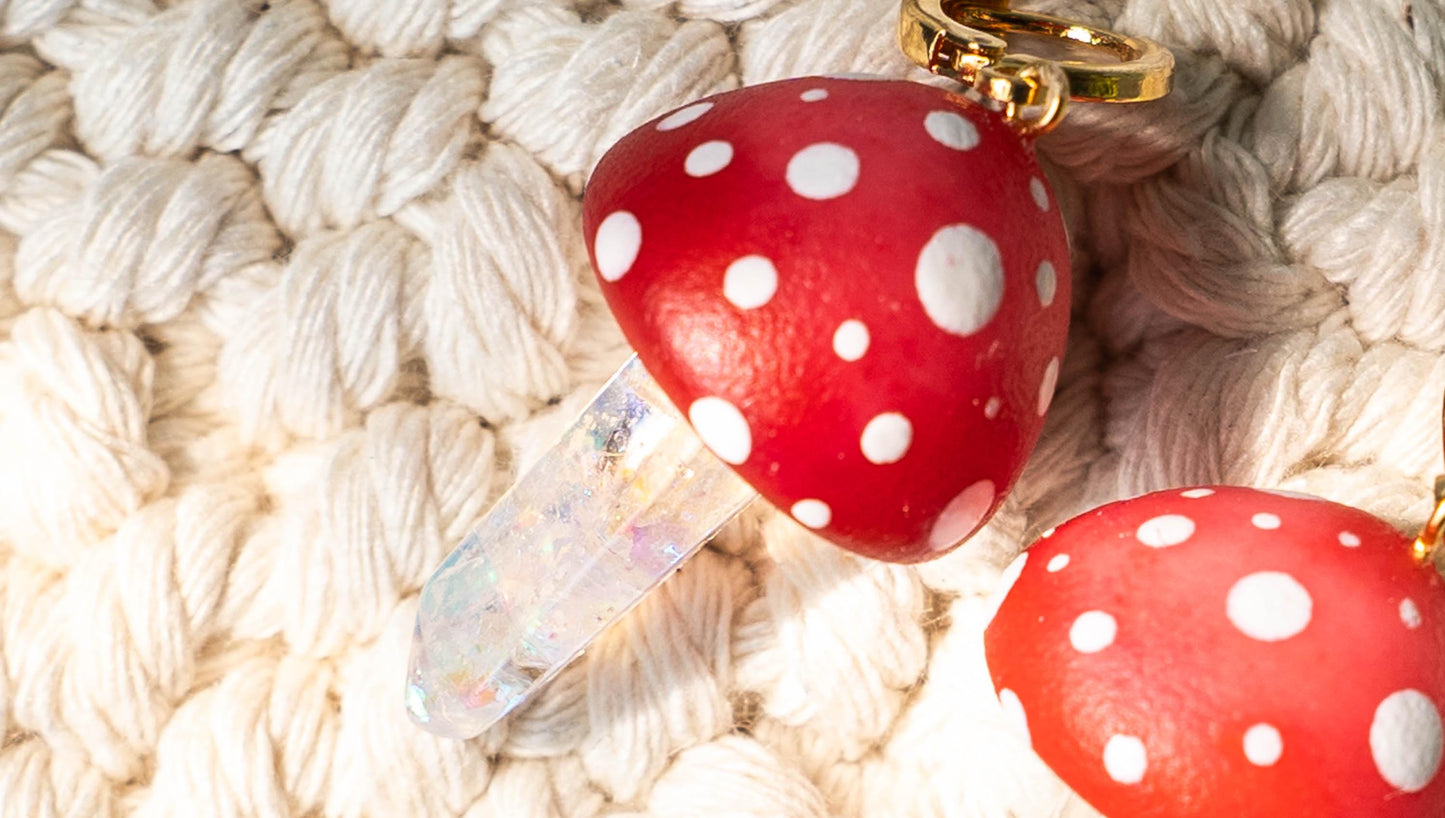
x,y
1269,606
1263,745
1125,759
1093,631
1196,494
951,130
1165,530
823,171
1349,539
963,515
750,282
1265,520
992,408
684,116
1406,739
886,438
850,340
1410,614
618,240
1046,283
1047,386
1039,192
722,428
812,513
1014,715
708,158
1057,563
813,95
959,278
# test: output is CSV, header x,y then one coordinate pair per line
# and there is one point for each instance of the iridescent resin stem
x,y
625,496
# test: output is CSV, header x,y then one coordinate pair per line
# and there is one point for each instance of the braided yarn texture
x,y
291,291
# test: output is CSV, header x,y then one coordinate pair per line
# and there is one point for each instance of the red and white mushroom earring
x,y
1224,652
849,296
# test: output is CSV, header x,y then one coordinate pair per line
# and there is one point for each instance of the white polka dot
x,y
686,115
1166,530
619,237
951,130
1269,606
1006,582
1410,614
708,158
1048,532
1125,759
1195,494
960,279
1263,745
750,282
823,171
1093,631
850,340
723,428
813,95
1014,715
1046,282
1048,385
886,438
1266,521
991,409
1349,540
1039,192
1057,563
812,513
1406,740
962,515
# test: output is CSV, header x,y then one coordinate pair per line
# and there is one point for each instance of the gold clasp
x,y
1428,543
966,41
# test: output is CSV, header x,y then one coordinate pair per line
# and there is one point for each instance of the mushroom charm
x,y
858,291
855,292
1228,653
848,295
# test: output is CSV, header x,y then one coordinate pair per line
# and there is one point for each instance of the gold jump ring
x,y
966,41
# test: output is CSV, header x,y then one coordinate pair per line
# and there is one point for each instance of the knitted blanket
x,y
291,291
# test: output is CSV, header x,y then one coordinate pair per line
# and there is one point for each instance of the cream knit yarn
x,y
287,287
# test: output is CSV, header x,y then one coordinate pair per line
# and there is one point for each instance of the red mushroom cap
x,y
1230,653
858,292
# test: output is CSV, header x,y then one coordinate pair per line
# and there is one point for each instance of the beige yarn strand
x,y
291,291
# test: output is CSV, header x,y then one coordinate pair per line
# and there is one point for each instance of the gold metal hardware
x,y
1427,545
968,42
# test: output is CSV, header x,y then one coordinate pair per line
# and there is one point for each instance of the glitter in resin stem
x,y
611,510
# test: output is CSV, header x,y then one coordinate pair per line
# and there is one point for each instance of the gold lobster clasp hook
x,y
1428,543
968,42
